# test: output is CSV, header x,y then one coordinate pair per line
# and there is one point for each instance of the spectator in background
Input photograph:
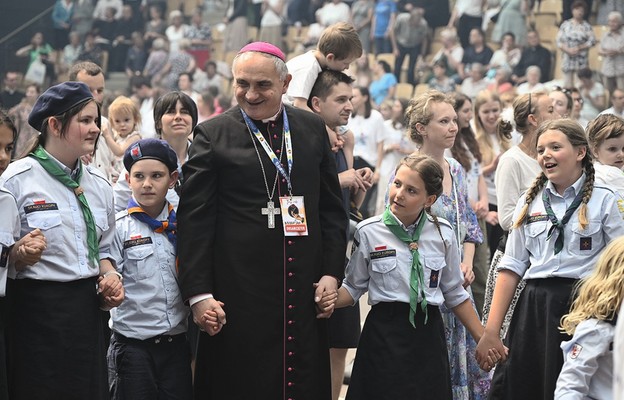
x,y
122,39
236,27
577,106
451,52
383,86
440,81
512,18
205,107
210,78
144,97
185,85
106,28
475,82
605,8
477,52
334,11
382,25
617,102
409,38
11,95
71,51
180,61
35,49
176,30
82,17
567,9
561,101
20,113
91,51
361,18
155,26
612,52
466,15
156,61
532,84
271,22
100,8
594,99
61,19
533,54
136,56
198,32
508,55
574,39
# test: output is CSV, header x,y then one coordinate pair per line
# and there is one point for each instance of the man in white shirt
x,y
617,102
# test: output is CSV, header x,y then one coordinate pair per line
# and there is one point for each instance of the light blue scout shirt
x,y
147,260
381,263
527,245
9,233
45,203
587,371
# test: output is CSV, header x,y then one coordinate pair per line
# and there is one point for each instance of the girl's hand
x,y
327,303
111,290
490,345
468,272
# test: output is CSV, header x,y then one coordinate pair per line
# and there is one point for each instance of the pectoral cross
x,y
270,211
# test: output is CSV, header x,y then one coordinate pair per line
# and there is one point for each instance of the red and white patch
x,y
382,247
134,237
575,351
39,201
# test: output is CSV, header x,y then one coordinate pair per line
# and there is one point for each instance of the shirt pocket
x,y
585,242
432,273
384,273
136,262
51,225
535,238
101,221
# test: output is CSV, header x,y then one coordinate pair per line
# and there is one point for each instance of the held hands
x,y
27,251
325,296
209,316
111,290
492,218
490,351
468,272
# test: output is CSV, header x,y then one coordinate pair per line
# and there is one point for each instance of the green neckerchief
x,y
555,222
416,276
57,172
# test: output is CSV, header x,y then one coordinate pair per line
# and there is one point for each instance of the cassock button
x,y
290,369
290,306
290,338
291,353
291,274
291,384
278,151
291,290
283,180
274,136
291,322
290,242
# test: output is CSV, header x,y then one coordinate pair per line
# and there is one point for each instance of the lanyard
x,y
269,151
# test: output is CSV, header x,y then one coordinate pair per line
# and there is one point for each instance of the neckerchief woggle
x,y
168,227
417,279
556,224
269,151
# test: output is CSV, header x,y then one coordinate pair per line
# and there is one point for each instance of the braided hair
x,y
576,136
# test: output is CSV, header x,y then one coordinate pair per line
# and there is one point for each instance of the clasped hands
x,y
490,351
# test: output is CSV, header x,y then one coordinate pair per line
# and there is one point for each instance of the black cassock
x,y
273,346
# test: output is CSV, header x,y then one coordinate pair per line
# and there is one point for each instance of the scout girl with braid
x,y
55,335
408,261
561,226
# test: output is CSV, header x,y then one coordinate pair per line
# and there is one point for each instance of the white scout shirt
x,y
381,263
49,205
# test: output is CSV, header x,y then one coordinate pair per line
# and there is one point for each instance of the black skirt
x,y
394,360
55,337
535,357
344,328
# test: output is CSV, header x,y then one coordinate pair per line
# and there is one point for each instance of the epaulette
x,y
96,172
121,214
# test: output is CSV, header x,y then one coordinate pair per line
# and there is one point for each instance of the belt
x,y
160,339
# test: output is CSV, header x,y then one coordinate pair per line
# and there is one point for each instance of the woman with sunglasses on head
x,y
561,101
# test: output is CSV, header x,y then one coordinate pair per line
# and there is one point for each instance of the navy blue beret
x,y
154,149
57,100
